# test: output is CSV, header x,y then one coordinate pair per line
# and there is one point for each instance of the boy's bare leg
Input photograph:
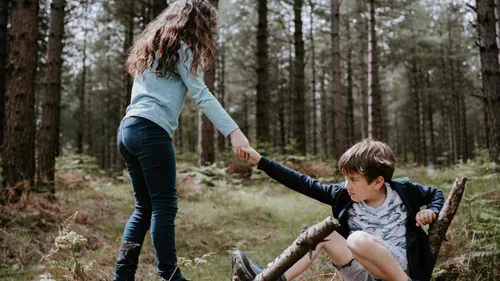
x,y
372,253
336,248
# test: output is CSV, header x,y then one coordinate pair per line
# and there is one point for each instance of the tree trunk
x,y
206,136
263,98
430,119
437,230
299,109
445,128
374,97
338,115
158,7
4,18
497,12
291,95
490,72
350,99
361,25
51,108
110,135
314,109
421,91
453,137
396,127
463,119
416,128
127,44
222,91
324,114
205,140
88,114
80,137
19,143
127,81
281,112
192,136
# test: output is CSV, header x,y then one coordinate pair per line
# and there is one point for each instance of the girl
x,y
166,61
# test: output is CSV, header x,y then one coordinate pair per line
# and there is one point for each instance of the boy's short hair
x,y
370,158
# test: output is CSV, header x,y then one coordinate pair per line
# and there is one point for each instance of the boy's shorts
x,y
354,271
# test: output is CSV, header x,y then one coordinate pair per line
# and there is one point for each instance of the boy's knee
x,y
360,242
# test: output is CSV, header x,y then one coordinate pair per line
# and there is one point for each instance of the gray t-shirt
x,y
387,221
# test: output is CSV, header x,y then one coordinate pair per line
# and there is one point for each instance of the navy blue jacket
x,y
421,261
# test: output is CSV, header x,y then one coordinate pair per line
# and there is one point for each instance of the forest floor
x,y
218,213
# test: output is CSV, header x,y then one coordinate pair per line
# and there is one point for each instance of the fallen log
x,y
437,230
306,242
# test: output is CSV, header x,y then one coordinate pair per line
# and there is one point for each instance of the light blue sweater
x,y
160,100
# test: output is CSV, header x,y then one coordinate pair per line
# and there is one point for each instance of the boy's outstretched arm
x,y
292,179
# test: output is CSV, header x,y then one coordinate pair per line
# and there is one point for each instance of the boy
x,y
380,236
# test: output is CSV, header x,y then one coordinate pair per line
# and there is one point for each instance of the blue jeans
x,y
149,156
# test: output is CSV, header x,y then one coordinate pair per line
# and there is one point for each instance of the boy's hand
x,y
425,217
248,153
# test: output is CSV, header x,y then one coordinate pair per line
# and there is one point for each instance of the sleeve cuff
x,y
226,134
435,210
264,163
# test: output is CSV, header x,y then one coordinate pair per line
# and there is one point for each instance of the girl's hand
x,y
250,154
238,139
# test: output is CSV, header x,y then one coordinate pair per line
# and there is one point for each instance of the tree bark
x,y
4,18
127,44
421,91
158,7
324,114
361,25
374,97
222,91
437,230
415,93
445,109
19,143
490,72
82,111
453,137
497,12
350,99
291,95
263,98
299,103
281,111
338,115
206,136
396,128
430,113
314,109
463,125
51,108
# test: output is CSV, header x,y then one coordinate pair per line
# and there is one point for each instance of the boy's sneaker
x,y
245,269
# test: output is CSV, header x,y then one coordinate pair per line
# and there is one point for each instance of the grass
x,y
259,217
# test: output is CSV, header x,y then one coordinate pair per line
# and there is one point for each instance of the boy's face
x,y
359,189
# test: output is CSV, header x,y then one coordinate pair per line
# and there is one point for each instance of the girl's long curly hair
x,y
192,21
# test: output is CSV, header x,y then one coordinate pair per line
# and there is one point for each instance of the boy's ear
x,y
379,182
